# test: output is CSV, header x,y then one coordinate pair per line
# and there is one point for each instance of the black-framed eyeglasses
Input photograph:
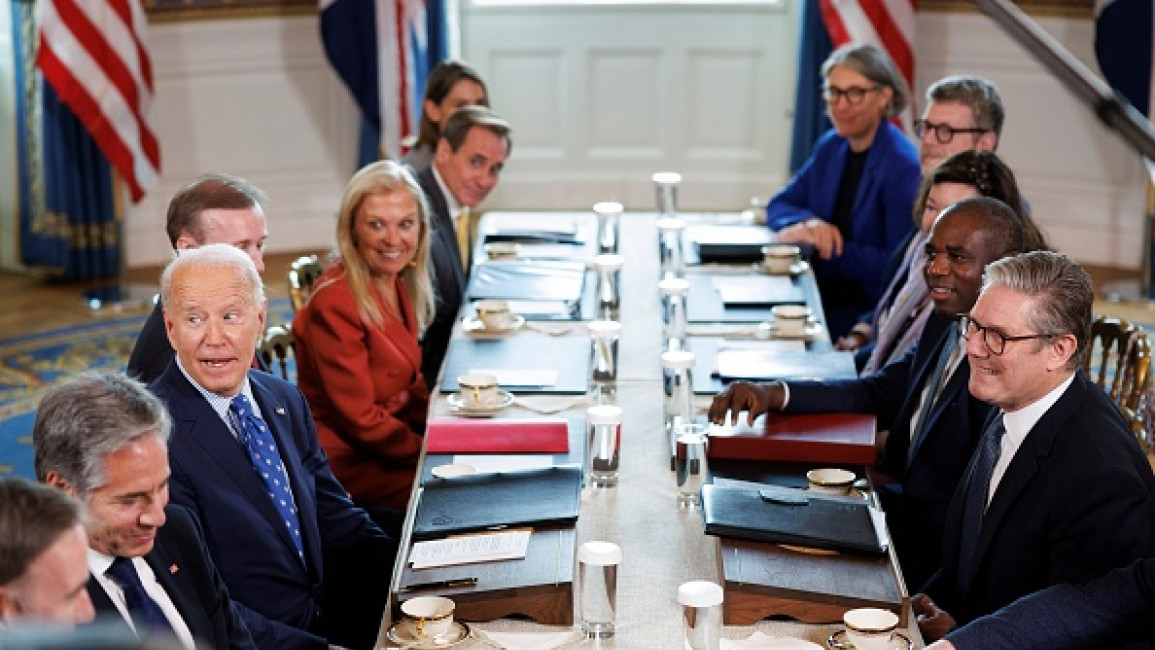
x,y
995,340
853,95
943,133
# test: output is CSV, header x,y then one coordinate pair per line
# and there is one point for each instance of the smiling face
x,y
1026,370
956,254
52,588
856,122
213,323
941,197
125,512
465,92
387,231
472,171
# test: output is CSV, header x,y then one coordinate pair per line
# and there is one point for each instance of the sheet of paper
x,y
778,346
493,463
470,549
513,377
550,308
752,289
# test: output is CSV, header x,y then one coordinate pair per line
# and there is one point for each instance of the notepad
x,y
755,290
515,377
470,549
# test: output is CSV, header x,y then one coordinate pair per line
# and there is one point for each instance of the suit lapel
x,y
163,559
444,237
106,610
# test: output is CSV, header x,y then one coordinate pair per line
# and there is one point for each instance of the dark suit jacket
x,y
196,588
448,278
152,351
1102,613
916,507
1077,500
285,604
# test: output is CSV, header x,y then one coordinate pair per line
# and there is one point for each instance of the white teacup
x,y
780,258
869,628
428,617
790,320
831,480
478,391
494,314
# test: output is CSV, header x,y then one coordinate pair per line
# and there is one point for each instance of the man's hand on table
x,y
740,396
941,645
933,622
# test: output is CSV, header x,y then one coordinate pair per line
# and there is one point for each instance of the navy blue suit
x,y
916,507
449,279
1077,500
339,593
183,567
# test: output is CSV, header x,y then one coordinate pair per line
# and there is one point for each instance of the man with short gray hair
x,y
102,438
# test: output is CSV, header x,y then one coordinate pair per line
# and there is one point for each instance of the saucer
x,y
811,330
838,641
473,326
399,633
798,268
457,405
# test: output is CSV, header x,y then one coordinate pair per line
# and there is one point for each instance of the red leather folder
x,y
445,435
838,438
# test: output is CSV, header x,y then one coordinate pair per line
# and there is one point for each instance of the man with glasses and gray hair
x,y
1058,489
963,113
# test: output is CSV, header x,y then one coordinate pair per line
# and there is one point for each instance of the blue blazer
x,y
916,507
195,587
286,604
883,206
1077,500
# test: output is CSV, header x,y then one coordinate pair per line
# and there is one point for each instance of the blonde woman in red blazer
x,y
358,361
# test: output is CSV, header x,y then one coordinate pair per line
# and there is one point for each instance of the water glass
x,y
604,426
678,393
608,213
690,470
670,259
604,335
666,188
674,292
701,603
608,267
596,588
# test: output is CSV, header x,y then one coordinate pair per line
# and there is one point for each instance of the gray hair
x,y
979,94
210,256
874,64
33,516
1061,290
88,417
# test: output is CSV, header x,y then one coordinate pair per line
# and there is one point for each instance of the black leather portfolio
x,y
535,497
566,234
728,244
789,517
553,280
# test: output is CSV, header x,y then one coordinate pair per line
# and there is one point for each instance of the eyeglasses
x,y
853,95
943,133
995,340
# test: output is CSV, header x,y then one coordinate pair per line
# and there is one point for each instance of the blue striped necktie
x,y
147,616
266,459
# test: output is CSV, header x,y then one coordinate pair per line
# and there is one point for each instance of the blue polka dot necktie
x,y
258,440
148,618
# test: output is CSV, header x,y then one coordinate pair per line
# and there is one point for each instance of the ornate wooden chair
x,y
303,273
275,348
1108,354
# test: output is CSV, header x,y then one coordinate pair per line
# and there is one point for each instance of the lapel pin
x,y
280,410
173,569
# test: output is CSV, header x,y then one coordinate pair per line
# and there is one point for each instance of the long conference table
x,y
662,546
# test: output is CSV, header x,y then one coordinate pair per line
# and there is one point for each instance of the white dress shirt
x,y
98,563
1018,424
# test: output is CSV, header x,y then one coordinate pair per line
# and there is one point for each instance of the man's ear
x,y
9,605
54,479
443,151
1062,348
987,141
185,241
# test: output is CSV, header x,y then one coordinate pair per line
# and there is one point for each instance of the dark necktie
x,y
975,503
266,459
933,388
147,616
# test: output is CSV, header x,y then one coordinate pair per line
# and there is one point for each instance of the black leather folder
x,y
537,497
551,280
704,303
728,244
789,517
535,236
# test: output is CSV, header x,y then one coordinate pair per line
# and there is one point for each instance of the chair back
x,y
275,348
1108,353
303,274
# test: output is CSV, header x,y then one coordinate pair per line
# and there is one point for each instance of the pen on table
x,y
441,584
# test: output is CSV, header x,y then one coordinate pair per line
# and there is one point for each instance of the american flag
x,y
379,48
889,24
93,54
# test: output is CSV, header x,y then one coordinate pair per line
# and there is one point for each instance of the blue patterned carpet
x,y
29,364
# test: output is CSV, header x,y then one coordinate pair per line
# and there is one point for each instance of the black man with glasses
x,y
1057,489
852,199
921,399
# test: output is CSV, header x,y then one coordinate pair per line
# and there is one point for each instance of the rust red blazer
x,y
365,389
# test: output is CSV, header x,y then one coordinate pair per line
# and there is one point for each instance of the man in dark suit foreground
x,y
931,438
42,557
308,567
212,209
102,438
470,156
1058,489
